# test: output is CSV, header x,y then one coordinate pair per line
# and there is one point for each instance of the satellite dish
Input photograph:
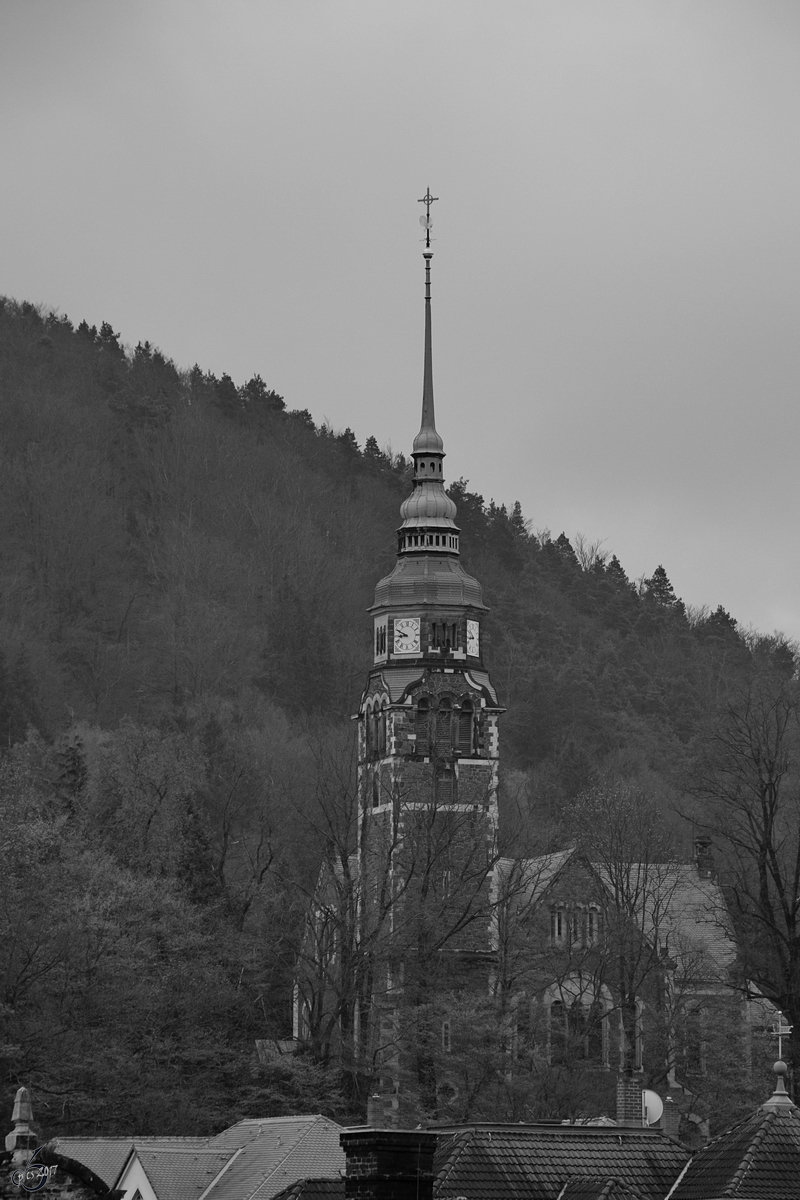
x,y
652,1107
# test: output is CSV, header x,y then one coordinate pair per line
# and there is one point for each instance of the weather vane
x,y
425,221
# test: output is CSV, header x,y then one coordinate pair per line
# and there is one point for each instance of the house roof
x,y
515,1162
107,1156
180,1174
313,1189
589,1187
276,1152
252,1160
758,1159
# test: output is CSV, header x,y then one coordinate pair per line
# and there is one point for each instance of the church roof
x,y
418,579
517,1162
689,912
758,1159
397,680
531,877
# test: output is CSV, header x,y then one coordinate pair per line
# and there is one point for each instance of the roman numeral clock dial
x,y
473,639
406,635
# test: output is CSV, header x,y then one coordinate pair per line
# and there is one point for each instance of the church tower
x,y
428,763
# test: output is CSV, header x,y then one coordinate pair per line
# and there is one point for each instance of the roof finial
x,y
425,221
780,1098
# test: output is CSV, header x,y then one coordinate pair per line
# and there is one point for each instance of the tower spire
x,y
427,440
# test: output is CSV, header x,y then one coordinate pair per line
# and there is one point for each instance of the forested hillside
x,y
185,565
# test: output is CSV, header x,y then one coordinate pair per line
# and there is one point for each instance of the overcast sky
x,y
615,283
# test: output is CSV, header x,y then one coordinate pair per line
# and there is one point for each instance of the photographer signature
x,y
33,1176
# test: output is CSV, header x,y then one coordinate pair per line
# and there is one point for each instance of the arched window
x,y
422,725
444,725
578,1021
466,717
381,739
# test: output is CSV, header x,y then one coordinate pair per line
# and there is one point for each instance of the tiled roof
x,y
313,1189
588,1187
510,1162
107,1156
531,877
180,1174
696,919
275,1153
758,1159
690,911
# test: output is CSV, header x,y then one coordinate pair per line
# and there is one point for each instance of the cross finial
x,y
425,221
780,1030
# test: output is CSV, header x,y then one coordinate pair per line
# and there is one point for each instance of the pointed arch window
x,y
578,1022
369,731
381,738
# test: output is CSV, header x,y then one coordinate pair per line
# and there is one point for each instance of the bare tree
x,y
750,779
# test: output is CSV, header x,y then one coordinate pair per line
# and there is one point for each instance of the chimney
x,y
629,1099
703,857
388,1164
671,1121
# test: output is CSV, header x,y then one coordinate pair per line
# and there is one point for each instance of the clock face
x,y
406,635
473,642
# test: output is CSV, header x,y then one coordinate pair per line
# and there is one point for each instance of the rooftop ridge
x,y
746,1164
